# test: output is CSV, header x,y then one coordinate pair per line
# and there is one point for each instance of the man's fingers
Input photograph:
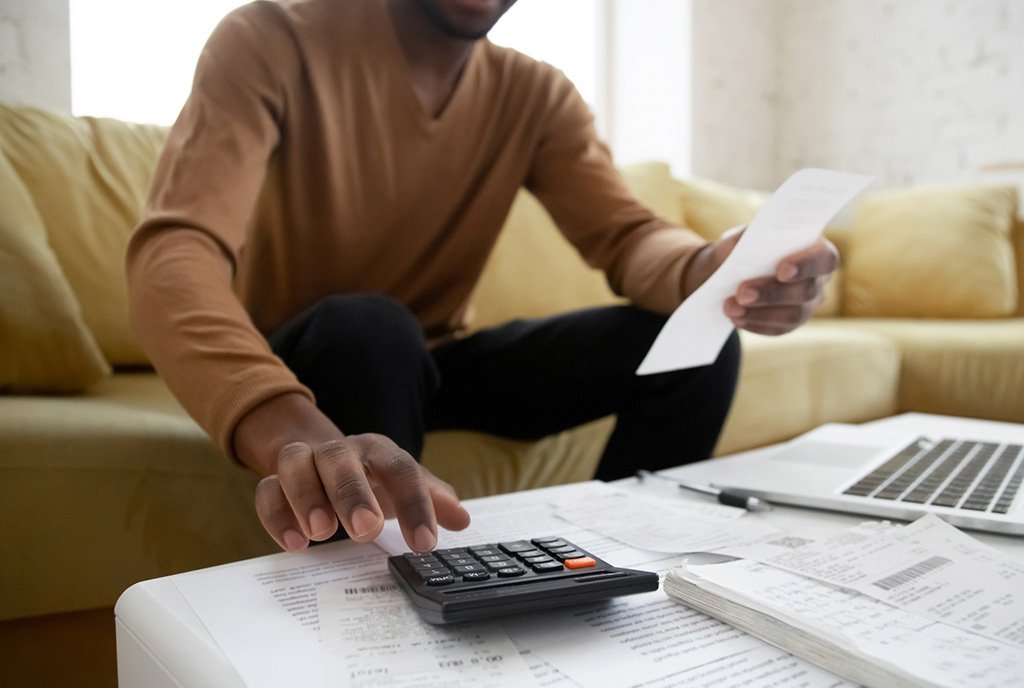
x,y
770,320
397,474
450,513
762,292
297,474
277,516
818,260
345,482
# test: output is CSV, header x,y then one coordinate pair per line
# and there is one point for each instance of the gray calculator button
x,y
446,579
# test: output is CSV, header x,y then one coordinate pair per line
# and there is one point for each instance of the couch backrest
x,y
534,271
87,179
85,188
1018,244
710,208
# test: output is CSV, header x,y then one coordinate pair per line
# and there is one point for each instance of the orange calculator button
x,y
580,563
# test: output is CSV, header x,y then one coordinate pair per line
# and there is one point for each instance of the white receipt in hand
x,y
791,220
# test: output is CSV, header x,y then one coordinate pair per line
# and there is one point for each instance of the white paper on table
x,y
934,651
928,567
650,640
530,514
662,525
637,640
372,637
791,220
278,642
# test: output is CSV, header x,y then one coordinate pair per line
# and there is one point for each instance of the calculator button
x,y
571,554
494,557
539,559
417,559
546,540
496,565
463,561
476,576
427,564
446,579
449,554
580,563
472,568
527,553
517,546
561,548
484,550
546,566
511,572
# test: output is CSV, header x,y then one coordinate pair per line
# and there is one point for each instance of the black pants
x,y
365,359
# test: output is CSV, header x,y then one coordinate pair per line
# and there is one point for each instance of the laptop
x,y
969,473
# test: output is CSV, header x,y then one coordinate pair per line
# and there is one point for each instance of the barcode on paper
x,y
909,574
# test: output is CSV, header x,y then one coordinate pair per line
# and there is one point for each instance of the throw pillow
x,y
710,208
940,251
88,178
44,343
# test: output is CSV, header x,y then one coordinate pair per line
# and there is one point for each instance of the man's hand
x,y
315,476
770,305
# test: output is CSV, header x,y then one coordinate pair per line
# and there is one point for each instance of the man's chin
x,y
465,19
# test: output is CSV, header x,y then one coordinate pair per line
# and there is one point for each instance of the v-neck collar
x,y
404,84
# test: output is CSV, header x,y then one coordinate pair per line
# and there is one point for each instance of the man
x,y
319,216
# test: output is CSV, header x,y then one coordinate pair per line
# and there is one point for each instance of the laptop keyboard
x,y
955,473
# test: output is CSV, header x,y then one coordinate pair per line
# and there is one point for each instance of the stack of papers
x,y
926,624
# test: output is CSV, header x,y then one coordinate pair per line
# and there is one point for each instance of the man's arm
x,y
198,335
654,264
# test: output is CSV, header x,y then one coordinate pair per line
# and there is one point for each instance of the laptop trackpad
x,y
825,454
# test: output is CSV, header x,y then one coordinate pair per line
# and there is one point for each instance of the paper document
x,y
636,640
278,643
791,220
664,525
523,515
928,567
862,638
371,637
649,640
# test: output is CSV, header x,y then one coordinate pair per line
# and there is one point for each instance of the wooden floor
x,y
65,650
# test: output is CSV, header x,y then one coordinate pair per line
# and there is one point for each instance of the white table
x,y
162,643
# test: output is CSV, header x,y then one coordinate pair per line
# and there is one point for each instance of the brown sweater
x,y
303,164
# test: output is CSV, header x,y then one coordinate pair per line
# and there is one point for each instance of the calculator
x,y
489,580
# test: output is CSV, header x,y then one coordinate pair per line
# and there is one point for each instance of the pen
x,y
723,496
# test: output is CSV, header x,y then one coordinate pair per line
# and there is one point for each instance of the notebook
x,y
970,473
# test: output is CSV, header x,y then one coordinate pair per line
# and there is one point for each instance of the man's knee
x,y
366,326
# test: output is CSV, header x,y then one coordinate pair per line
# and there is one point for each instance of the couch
x,y
105,480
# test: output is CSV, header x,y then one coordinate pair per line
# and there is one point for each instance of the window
x,y
134,59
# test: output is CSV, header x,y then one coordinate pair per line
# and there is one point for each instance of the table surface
x,y
161,641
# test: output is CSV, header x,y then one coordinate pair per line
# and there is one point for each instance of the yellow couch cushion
x,y
969,368
1018,243
109,487
826,371
44,343
710,208
939,251
88,183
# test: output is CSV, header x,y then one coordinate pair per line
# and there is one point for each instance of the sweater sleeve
x,y
182,257
572,174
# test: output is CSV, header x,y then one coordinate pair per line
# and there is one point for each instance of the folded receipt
x,y
791,220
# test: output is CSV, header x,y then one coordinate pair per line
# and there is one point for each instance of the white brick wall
x,y
906,90
35,62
